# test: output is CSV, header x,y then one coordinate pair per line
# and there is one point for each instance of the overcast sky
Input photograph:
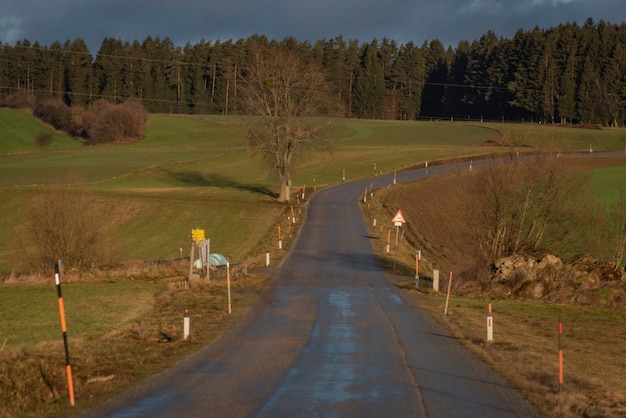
x,y
450,21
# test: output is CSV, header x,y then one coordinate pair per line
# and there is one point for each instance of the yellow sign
x,y
197,235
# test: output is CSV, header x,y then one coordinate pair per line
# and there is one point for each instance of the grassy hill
x,y
197,172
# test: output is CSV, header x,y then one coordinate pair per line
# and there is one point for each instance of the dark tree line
x,y
565,74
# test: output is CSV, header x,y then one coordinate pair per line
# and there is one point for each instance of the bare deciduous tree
x,y
290,105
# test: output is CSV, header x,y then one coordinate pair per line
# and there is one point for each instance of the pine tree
x,y
78,74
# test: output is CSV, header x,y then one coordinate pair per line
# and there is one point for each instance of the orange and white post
x,y
560,353
418,256
388,239
230,309
68,366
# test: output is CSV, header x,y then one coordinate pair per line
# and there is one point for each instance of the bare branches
x,y
286,97
610,231
524,205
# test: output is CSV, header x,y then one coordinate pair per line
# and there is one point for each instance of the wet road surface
x,y
331,339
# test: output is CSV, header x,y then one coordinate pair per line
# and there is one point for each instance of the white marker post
x,y
489,325
280,240
228,285
186,324
436,280
267,259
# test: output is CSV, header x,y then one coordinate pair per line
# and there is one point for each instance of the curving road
x,y
330,339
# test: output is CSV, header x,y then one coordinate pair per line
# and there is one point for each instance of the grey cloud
x,y
192,20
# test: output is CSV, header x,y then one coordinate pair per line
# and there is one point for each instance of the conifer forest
x,y
568,74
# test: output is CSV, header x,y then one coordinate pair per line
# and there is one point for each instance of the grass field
x,y
197,172
189,172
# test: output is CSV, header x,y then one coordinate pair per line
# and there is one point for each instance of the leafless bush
x,y
609,237
108,123
524,205
67,225
55,113
44,139
19,101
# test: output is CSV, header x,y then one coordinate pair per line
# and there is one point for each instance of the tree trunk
x,y
285,191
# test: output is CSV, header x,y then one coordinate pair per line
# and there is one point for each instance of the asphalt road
x,y
331,339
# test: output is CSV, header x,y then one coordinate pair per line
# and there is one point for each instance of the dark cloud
x,y
192,20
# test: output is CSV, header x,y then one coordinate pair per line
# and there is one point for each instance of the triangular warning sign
x,y
398,218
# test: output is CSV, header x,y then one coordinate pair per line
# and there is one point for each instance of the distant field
x,y
197,172
609,182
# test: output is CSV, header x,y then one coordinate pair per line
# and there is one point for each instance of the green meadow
x,y
197,172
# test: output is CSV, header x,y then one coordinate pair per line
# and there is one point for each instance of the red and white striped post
x,y
394,177
280,239
489,325
418,256
560,353
388,239
68,366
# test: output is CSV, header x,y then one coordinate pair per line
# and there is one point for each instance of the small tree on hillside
x,y
291,103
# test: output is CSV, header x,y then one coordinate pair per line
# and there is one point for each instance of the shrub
x,y
55,113
19,101
67,225
44,139
115,123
